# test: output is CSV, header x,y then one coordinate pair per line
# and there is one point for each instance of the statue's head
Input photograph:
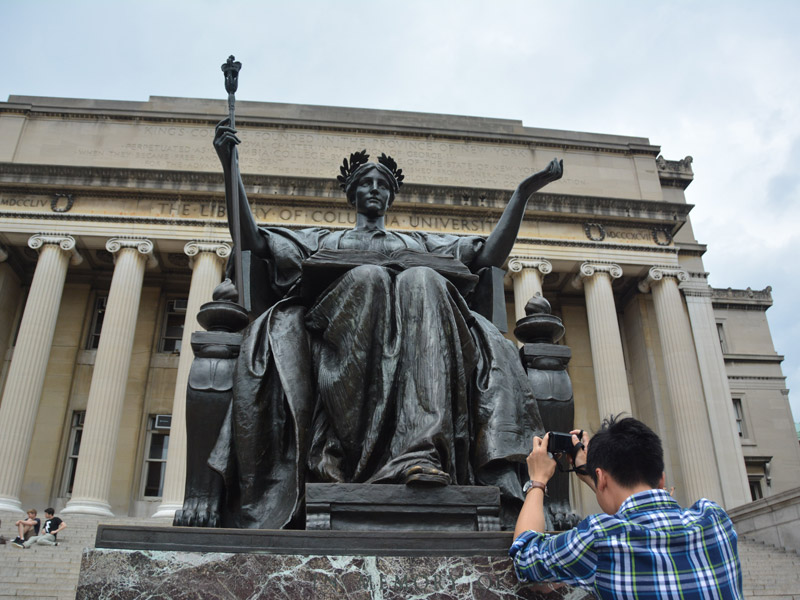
x,y
359,170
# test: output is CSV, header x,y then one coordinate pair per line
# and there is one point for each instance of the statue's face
x,y
373,194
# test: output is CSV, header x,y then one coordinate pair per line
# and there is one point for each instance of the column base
x,y
87,507
166,511
10,504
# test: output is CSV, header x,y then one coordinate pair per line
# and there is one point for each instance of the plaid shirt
x,y
651,548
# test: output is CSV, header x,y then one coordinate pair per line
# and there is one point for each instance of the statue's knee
x,y
370,275
417,278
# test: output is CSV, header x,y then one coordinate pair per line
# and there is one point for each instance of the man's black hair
x,y
628,450
50,511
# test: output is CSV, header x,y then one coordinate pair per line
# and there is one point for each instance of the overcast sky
x,y
719,81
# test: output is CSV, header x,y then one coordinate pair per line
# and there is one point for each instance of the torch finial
x,y
231,69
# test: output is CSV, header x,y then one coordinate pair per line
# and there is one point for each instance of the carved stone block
x,y
372,507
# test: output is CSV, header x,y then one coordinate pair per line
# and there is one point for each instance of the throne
x,y
340,506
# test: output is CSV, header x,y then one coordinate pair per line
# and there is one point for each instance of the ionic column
x,y
29,364
90,492
729,455
692,430
610,376
527,275
207,267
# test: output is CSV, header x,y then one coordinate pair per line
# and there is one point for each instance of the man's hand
x,y
579,460
541,465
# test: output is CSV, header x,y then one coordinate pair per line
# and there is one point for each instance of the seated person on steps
x,y
52,527
26,527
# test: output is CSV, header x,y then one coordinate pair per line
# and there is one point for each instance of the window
x,y
155,461
755,490
97,322
174,316
723,342
739,412
76,431
758,473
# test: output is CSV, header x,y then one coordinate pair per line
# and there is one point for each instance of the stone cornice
x,y
199,186
748,299
324,118
763,358
675,173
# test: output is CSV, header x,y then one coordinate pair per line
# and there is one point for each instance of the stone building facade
x,y
113,233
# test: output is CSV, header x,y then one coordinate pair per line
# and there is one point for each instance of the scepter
x,y
231,69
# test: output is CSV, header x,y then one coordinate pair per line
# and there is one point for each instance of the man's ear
x,y
662,483
602,479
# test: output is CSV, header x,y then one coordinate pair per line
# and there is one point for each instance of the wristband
x,y
529,485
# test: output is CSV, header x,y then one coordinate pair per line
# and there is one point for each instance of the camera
x,y
561,443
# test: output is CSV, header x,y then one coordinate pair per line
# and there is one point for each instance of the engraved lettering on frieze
x,y
625,234
595,232
24,202
61,203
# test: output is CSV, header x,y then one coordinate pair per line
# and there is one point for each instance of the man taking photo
x,y
644,546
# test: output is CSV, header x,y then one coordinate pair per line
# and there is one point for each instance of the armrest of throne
x,y
257,295
489,297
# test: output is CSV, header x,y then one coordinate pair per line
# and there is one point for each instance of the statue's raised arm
x,y
501,240
225,142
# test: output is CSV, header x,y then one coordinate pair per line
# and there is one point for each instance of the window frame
x,y
77,422
171,308
147,460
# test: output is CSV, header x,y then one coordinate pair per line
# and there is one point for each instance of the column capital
x,y
519,263
589,269
697,285
659,272
195,247
142,245
64,241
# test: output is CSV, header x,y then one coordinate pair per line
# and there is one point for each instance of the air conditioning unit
x,y
180,305
163,421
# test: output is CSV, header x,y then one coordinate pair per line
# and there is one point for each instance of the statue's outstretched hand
x,y
553,171
225,141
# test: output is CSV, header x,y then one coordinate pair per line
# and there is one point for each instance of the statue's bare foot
x,y
198,511
425,476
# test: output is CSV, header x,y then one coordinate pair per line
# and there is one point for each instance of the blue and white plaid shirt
x,y
652,548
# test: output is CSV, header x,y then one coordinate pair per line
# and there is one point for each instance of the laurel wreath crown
x,y
358,159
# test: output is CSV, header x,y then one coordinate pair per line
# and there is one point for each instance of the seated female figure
x,y
382,375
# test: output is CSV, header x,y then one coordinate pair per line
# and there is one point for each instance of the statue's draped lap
x,y
382,372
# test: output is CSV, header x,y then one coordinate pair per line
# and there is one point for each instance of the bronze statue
x,y
369,364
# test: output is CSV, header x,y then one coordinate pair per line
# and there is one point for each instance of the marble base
x,y
147,574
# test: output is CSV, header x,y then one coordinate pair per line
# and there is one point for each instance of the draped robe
x,y
383,371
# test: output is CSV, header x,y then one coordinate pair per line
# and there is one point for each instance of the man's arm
x,y
541,467
61,528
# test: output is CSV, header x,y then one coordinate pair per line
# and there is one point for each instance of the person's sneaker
x,y
17,543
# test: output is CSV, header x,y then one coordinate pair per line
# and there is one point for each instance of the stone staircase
x,y
51,572
769,573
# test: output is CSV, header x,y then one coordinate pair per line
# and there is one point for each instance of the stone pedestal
x,y
371,507
138,563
